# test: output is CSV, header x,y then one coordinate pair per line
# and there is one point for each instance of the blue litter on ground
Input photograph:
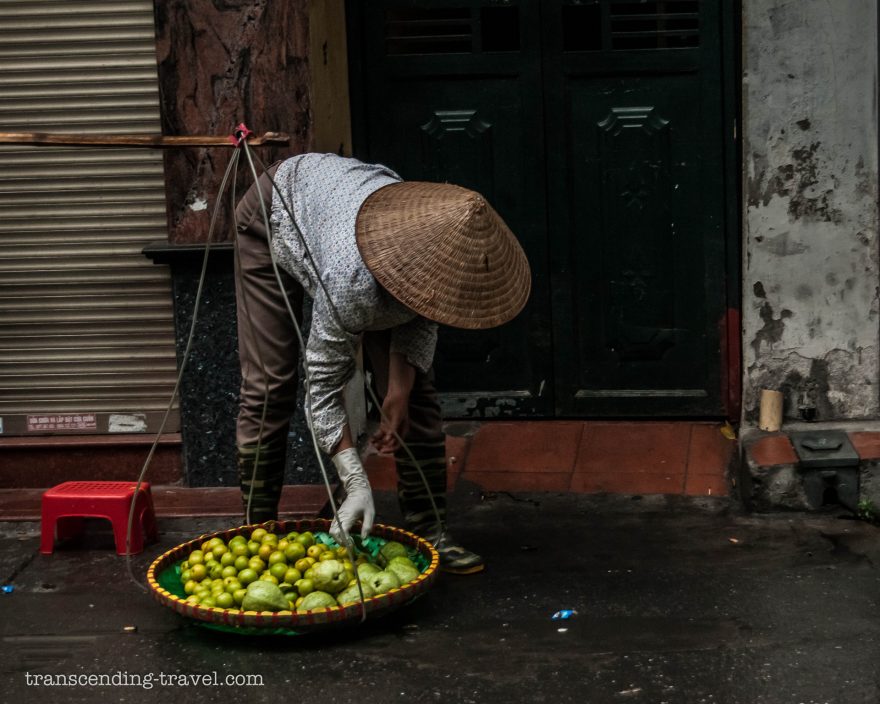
x,y
8,588
564,614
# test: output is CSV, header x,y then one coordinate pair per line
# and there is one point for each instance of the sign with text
x,y
66,421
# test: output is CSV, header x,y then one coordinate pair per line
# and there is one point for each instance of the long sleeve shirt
x,y
324,192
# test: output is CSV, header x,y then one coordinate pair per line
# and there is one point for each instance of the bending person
x,y
395,258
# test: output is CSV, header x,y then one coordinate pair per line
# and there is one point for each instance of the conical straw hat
x,y
442,251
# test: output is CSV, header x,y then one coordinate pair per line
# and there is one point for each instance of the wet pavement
x,y
678,600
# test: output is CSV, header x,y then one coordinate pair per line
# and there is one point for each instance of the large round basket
x,y
164,581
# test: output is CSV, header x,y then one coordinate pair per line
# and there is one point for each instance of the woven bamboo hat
x,y
442,251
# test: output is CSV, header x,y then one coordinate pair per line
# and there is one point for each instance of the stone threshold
x,y
770,475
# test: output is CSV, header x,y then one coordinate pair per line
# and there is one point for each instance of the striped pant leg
x,y
413,494
261,476
268,355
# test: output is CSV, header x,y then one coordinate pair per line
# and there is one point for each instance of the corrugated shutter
x,y
86,321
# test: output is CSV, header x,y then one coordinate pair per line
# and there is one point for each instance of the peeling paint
x,y
831,384
198,204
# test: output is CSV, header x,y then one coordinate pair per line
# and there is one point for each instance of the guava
x,y
264,596
317,600
329,576
389,550
367,569
383,581
351,595
401,560
405,573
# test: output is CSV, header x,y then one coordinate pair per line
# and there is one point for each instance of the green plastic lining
x,y
371,546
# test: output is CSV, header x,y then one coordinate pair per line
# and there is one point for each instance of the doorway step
x,y
682,458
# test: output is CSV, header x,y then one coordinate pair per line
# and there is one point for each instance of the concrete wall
x,y
810,308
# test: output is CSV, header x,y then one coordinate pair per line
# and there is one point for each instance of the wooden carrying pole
x,y
139,140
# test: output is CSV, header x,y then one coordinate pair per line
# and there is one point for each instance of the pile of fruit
x,y
294,572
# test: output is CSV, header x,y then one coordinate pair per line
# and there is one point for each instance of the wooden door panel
x,y
459,106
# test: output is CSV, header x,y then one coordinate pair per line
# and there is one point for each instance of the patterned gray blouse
x,y
325,192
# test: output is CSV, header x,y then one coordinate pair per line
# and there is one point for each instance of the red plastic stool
x,y
67,504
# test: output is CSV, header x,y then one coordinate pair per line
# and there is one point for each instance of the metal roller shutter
x,y
86,321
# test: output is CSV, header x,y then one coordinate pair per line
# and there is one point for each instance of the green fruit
x,y
264,596
278,570
384,581
294,551
329,576
317,600
405,573
276,557
304,587
366,570
389,550
247,576
401,560
306,539
292,575
351,595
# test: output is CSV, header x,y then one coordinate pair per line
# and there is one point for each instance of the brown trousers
x,y
269,356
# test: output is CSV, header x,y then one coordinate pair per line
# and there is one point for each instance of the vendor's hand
x,y
395,419
358,502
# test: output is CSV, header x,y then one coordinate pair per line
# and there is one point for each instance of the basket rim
x,y
323,616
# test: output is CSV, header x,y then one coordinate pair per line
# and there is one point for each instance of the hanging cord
x,y
260,362
338,319
347,541
185,357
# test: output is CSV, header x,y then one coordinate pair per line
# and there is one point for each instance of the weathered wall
x,y
810,308
221,63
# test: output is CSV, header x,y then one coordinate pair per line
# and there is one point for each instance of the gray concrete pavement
x,y
679,600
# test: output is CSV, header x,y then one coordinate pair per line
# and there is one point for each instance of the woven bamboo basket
x,y
161,580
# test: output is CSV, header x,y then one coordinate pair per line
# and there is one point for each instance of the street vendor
x,y
396,258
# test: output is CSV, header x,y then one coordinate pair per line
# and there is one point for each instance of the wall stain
x,y
809,207
803,292
771,331
782,245
797,181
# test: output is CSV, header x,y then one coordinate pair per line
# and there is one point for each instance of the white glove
x,y
359,497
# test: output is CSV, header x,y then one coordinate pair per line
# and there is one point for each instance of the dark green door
x,y
596,129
